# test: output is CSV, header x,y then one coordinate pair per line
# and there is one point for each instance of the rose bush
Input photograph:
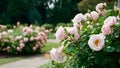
x,y
22,39
93,41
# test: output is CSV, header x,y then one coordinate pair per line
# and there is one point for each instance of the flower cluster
x,y
94,31
22,39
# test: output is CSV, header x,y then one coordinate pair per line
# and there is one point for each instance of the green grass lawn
x,y
4,60
51,36
49,46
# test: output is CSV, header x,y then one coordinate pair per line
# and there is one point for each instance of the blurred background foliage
x,y
45,11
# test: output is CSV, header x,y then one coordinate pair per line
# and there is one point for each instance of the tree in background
x,y
61,10
3,15
30,11
84,5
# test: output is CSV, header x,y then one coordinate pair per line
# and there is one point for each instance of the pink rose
x,y
111,20
22,45
72,30
87,15
60,33
103,12
106,30
94,15
32,39
25,39
34,48
100,6
78,18
76,36
18,49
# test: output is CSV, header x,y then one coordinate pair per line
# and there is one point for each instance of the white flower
x,y
96,42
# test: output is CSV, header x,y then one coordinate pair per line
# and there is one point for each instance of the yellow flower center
x,y
96,42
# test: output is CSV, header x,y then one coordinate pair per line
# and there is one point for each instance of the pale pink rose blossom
x,y
8,48
34,48
106,30
26,39
47,32
18,23
60,33
39,44
27,30
37,38
14,26
76,25
77,18
32,39
18,49
76,36
21,41
31,26
110,21
90,26
36,45
10,31
0,37
5,40
103,12
4,33
84,17
87,15
22,45
18,37
72,30
94,15
100,6
96,42
57,55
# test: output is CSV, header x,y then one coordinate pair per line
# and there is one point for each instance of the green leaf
x,y
110,49
119,61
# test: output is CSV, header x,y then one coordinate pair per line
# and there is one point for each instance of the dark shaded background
x,y
31,11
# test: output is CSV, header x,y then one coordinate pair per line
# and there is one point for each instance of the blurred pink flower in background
x,y
25,39
10,31
18,49
32,38
22,45
76,36
34,48
18,37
